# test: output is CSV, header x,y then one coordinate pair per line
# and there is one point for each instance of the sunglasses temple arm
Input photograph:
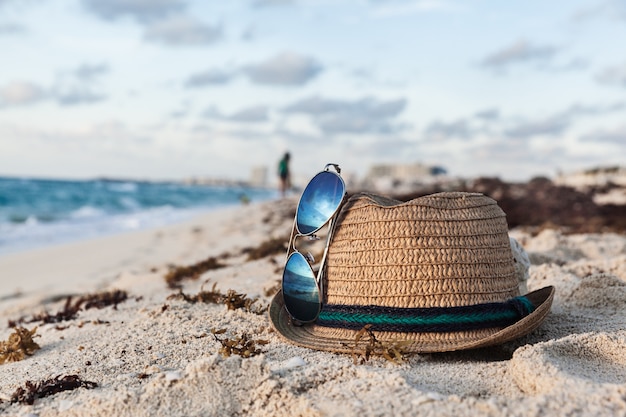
x,y
320,274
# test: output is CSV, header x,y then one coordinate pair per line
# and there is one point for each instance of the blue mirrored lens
x,y
300,292
319,201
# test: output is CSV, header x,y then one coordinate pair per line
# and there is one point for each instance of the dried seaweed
x,y
392,351
81,323
242,345
103,299
31,391
270,247
268,292
179,273
71,308
68,312
232,299
19,345
235,300
214,296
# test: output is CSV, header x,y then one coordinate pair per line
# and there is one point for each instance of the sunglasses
x,y
318,206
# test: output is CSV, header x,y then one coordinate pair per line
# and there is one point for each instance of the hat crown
x,y
442,250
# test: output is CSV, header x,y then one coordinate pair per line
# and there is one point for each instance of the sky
x,y
169,89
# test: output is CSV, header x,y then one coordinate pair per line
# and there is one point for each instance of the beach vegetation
x,y
272,246
177,274
19,345
72,307
367,345
242,345
232,299
31,391
103,299
214,296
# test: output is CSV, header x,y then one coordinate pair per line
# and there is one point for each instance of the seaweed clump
x,y
213,296
103,299
271,246
72,307
232,299
235,300
393,351
179,273
19,345
31,391
242,345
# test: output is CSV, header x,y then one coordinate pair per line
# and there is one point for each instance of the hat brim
x,y
344,340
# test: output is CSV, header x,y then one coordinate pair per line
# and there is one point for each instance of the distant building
x,y
594,177
401,176
258,176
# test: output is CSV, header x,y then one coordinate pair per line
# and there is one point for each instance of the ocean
x,y
41,212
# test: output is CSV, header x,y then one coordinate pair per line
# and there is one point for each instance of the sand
x,y
154,355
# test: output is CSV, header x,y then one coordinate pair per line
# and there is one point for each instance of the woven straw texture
x,y
443,250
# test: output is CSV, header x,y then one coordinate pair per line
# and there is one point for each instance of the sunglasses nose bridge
x,y
293,240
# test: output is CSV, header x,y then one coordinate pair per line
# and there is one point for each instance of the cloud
x,y
518,52
488,114
71,87
393,148
77,86
182,111
442,130
88,72
250,33
209,77
366,115
286,69
613,76
613,9
578,110
10,28
550,126
142,10
182,30
77,95
617,136
575,64
252,114
271,3
490,123
21,93
387,8
588,13
559,122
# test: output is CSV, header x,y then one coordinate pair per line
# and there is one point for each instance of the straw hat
x,y
443,255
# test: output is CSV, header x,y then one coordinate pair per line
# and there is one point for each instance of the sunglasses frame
x,y
295,234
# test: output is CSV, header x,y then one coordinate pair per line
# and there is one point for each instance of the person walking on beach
x,y
284,174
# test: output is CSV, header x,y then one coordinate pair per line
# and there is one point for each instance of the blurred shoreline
x,y
41,212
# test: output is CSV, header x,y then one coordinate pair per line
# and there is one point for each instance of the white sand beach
x,y
153,354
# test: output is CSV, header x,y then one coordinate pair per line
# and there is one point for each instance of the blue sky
x,y
176,88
